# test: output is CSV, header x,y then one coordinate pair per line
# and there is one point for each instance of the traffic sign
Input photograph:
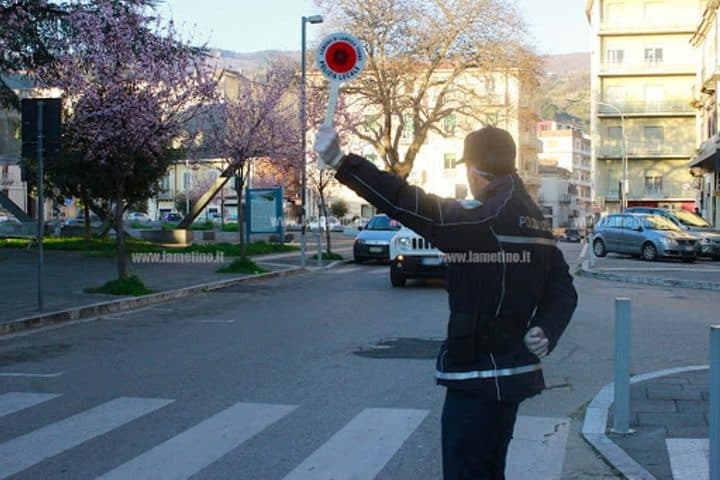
x,y
340,57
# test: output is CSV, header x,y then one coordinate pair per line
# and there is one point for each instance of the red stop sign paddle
x,y
340,57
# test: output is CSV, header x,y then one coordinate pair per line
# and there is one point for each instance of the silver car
x,y
643,235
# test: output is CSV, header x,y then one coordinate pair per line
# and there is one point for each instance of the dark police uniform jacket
x,y
514,276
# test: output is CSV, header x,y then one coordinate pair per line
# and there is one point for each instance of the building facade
x,y
558,198
705,165
568,147
643,126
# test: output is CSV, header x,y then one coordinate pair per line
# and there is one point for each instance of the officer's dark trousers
x,y
476,433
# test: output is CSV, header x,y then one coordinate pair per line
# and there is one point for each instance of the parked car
x,y
331,222
138,217
709,245
373,242
643,235
215,218
413,257
172,217
79,221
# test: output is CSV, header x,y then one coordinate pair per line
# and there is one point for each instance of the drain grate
x,y
411,348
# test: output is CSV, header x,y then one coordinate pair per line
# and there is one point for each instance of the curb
x,y
84,312
595,425
654,281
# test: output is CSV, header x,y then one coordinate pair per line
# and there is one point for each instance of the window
x,y
449,161
653,55
408,128
187,179
615,94
614,221
614,134
615,56
653,185
491,119
630,222
165,183
654,134
449,124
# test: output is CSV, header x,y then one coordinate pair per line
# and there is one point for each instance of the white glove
x,y
536,341
327,145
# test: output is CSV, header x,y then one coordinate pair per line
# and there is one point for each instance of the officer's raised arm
x,y
423,212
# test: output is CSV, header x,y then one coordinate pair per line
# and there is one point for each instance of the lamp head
x,y
315,19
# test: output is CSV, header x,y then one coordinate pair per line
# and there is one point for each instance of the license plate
x,y
375,249
430,261
689,248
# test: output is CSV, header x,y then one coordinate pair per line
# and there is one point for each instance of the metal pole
x,y
621,412
41,204
303,121
625,186
715,401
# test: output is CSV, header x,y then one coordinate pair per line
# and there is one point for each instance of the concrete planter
x,y
167,237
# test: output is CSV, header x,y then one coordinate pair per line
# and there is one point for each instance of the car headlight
x,y
668,242
404,243
360,241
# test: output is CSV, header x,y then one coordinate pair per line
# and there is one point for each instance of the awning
x,y
708,150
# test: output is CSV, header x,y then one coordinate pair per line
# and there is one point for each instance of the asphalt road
x,y
302,377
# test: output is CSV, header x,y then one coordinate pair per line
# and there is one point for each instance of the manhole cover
x,y
417,348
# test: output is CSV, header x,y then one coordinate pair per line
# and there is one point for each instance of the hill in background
x,y
564,92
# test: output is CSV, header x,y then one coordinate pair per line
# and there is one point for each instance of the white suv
x,y
411,256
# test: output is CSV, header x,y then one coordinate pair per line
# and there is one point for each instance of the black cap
x,y
491,150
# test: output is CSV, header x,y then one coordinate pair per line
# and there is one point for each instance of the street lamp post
x,y
314,19
625,189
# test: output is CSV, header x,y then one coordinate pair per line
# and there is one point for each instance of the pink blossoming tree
x,y
130,87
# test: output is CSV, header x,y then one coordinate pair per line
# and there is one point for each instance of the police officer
x,y
509,290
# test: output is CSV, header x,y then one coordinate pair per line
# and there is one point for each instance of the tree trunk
x,y
86,212
119,229
241,217
323,209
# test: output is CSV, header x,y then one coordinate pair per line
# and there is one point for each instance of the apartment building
x,y
568,147
558,198
509,106
705,165
643,126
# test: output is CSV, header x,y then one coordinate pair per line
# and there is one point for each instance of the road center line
x,y
31,375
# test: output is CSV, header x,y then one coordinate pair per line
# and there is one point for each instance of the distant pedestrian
x,y
504,316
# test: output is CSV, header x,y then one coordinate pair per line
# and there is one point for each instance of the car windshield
x,y
654,222
690,219
382,222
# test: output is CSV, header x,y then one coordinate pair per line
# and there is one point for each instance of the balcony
x,y
647,69
669,107
636,28
647,149
638,192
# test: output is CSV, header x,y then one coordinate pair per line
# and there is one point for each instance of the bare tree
x,y
419,55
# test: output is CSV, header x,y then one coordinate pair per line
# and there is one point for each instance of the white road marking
x,y
25,451
336,271
215,321
31,375
695,268
194,449
537,450
689,458
15,401
362,448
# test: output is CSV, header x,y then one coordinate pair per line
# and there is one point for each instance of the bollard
x,y
621,412
715,401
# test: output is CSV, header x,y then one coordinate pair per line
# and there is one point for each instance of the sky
x,y
558,26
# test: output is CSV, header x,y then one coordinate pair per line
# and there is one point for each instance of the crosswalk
x,y
359,450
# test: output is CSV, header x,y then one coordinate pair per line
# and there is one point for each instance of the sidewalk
x,y
702,274
669,416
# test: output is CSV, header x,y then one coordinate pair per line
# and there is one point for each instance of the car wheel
x,y
397,279
599,248
689,260
358,259
716,259
649,252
